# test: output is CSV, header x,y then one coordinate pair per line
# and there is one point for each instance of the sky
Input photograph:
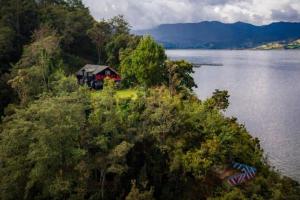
x,y
143,14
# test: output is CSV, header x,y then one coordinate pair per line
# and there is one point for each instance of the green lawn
x,y
125,94
121,94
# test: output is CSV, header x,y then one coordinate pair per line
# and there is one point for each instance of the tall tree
x,y
145,63
121,40
39,60
71,23
179,76
99,34
119,25
118,45
18,19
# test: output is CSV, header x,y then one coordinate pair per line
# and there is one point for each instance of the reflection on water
x,y
265,96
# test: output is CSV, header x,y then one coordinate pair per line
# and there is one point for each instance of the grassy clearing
x,y
120,94
125,94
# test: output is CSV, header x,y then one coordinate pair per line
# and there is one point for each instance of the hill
x,y
217,35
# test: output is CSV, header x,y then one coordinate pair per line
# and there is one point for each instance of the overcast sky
x,y
148,13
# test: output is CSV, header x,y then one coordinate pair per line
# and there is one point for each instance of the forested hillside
x,y
62,140
64,28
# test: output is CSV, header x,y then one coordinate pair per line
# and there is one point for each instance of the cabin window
x,y
107,72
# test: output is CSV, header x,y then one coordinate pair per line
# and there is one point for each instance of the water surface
x,y
264,89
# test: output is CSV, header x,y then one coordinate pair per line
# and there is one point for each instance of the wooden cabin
x,y
94,75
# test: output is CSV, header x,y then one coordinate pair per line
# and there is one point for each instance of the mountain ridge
x,y
218,35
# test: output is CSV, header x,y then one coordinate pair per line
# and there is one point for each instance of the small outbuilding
x,y
94,75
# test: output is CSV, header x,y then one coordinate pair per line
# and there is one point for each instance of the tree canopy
x,y
179,76
73,145
145,64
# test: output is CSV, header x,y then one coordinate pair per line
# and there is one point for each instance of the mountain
x,y
217,35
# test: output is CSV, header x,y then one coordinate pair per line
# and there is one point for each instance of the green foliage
x,y
235,194
28,27
201,160
18,19
61,141
40,148
110,38
119,44
32,73
219,100
136,194
6,45
145,64
71,144
179,76
45,42
6,93
60,84
99,34
71,21
119,25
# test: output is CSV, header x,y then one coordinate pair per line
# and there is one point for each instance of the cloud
x,y
148,13
286,14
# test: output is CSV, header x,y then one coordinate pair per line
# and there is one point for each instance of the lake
x,y
264,88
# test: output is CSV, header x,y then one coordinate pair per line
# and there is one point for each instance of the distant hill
x,y
217,35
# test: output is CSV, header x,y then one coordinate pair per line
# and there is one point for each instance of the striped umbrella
x,y
248,173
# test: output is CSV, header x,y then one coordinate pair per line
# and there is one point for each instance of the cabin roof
x,y
94,69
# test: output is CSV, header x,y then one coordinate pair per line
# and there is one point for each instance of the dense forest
x,y
58,140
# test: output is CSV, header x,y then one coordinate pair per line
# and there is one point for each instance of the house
x,y
94,75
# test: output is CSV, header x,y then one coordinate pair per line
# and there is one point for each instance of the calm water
x,y
265,96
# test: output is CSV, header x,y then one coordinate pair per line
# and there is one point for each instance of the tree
x,y
69,3
219,100
40,149
119,25
60,84
99,34
71,21
121,40
74,144
39,61
18,20
235,194
75,3
7,94
145,64
136,194
7,38
179,76
118,45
